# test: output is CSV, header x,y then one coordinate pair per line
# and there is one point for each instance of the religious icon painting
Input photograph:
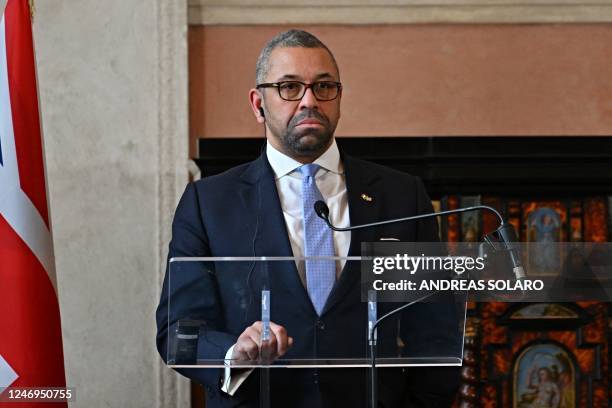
x,y
544,225
544,376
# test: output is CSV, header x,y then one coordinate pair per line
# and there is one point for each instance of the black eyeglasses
x,y
295,90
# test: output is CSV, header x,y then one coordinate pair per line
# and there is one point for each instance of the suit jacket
x,y
238,213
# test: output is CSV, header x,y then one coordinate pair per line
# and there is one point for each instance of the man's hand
x,y
249,347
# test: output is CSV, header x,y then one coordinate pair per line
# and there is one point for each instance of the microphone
x,y
502,239
322,211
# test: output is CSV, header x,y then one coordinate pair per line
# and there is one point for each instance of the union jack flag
x,y
30,332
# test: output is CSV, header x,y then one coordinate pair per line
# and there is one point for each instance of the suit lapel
x,y
261,198
365,206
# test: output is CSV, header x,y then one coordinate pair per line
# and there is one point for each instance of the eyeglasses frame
x,y
277,85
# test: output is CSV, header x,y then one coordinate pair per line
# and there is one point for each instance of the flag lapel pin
x,y
366,198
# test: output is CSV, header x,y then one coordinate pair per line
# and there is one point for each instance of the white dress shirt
x,y
331,182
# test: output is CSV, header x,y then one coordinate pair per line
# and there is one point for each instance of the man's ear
x,y
256,102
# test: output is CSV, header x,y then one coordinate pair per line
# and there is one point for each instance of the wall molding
x,y
172,158
261,12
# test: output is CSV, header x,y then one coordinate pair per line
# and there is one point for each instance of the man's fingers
x,y
249,345
249,341
268,350
246,349
282,339
254,332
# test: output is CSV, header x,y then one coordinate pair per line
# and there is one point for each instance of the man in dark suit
x,y
262,209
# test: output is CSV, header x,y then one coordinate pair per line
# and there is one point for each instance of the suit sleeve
x,y
193,293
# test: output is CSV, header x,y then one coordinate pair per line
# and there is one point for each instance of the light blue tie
x,y
318,241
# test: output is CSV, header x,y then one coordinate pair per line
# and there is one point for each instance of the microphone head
x,y
322,210
504,239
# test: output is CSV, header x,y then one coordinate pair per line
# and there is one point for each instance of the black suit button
x,y
315,378
320,325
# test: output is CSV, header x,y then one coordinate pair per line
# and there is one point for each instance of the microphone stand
x,y
504,240
323,212
372,341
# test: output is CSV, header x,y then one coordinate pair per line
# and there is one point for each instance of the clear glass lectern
x,y
211,301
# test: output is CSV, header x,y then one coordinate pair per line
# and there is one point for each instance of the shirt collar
x,y
282,164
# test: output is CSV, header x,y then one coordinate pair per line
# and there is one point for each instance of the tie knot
x,y
309,170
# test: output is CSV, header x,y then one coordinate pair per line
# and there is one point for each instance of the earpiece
x,y
261,112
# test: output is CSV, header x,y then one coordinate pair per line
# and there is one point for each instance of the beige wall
x,y
422,80
113,95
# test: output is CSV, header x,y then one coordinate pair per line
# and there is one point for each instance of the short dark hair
x,y
286,39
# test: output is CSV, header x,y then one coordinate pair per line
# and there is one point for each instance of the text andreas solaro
x,y
407,271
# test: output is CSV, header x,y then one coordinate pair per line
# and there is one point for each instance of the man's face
x,y
301,129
